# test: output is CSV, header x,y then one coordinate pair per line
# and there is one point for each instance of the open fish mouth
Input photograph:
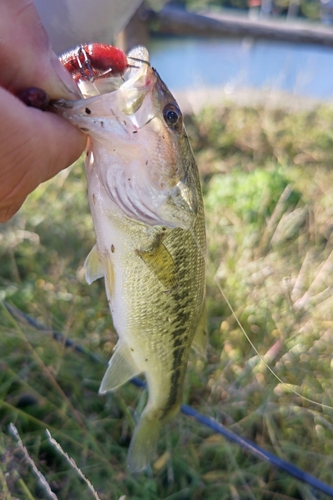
x,y
131,88
138,146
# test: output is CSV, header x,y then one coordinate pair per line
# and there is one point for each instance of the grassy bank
x,y
268,187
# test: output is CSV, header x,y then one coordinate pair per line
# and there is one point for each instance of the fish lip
x,y
140,85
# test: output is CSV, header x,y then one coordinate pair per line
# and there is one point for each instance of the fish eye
x,y
171,115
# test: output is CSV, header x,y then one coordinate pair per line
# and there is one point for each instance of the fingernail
x,y
64,77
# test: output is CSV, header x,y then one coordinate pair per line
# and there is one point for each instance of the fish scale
x,y
146,202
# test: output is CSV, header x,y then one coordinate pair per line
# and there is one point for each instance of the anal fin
x,y
93,266
122,368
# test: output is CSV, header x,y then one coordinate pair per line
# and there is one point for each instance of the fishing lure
x,y
95,60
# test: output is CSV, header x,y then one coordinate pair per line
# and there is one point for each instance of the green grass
x,y
268,187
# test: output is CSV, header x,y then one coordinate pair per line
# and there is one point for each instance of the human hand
x,y
34,145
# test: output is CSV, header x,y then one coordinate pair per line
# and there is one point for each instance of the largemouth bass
x,y
145,199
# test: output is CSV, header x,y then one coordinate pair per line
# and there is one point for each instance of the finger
x,y
26,56
34,145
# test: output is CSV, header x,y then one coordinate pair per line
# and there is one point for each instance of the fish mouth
x,y
128,92
138,80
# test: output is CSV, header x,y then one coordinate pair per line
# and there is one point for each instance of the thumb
x,y
26,57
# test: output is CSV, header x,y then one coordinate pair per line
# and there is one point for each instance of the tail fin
x,y
144,443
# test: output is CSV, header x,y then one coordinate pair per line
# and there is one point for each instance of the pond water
x,y
236,64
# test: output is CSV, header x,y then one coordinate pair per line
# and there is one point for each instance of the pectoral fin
x,y
109,275
93,266
200,336
160,262
122,368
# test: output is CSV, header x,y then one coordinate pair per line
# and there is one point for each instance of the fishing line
x,y
148,121
284,384
290,389
186,410
259,452
137,59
